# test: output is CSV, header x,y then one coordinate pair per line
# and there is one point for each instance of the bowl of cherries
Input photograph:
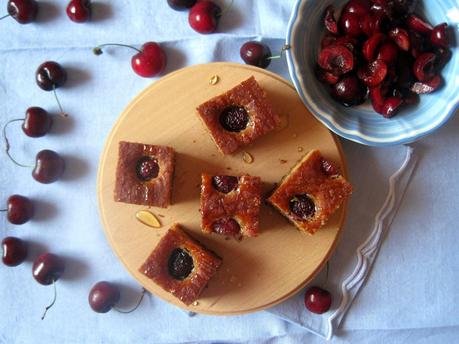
x,y
377,72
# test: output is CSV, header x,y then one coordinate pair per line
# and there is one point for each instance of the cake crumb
x,y
196,303
282,161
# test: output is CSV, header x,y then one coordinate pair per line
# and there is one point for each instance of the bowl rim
x,y
353,134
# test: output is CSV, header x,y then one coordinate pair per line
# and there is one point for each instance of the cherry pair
x,y
25,11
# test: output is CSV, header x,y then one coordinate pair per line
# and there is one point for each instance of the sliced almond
x,y
247,158
148,218
214,80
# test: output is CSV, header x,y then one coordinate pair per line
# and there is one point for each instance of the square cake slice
x,y
181,265
144,174
230,205
311,192
239,116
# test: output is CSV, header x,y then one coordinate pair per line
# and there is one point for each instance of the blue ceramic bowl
x,y
361,124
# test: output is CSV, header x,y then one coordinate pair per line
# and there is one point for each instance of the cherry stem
x,y
7,143
98,50
63,113
7,15
52,303
139,301
226,9
284,48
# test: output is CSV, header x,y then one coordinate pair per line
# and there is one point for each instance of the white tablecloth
x,y
410,295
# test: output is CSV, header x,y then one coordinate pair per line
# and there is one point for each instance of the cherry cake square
x,y
311,192
230,205
239,116
144,174
180,265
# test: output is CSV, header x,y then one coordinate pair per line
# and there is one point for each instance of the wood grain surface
x,y
256,273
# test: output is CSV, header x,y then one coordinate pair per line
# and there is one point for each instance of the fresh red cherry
x,y
336,59
181,5
50,75
439,36
256,54
24,11
79,11
149,61
37,122
350,24
329,20
204,16
19,209
349,91
424,66
103,296
14,251
49,167
48,268
317,300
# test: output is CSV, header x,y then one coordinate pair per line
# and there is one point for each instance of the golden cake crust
x,y
241,204
309,178
129,188
156,266
262,117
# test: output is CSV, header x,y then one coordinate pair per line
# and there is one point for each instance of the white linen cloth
x,y
410,293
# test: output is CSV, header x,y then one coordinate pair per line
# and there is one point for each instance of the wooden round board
x,y
256,273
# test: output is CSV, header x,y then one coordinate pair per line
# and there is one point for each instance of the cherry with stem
x,y
49,76
23,11
205,15
258,54
36,123
149,61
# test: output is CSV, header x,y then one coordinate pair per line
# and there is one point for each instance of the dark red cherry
x,y
150,61
371,45
427,86
317,300
417,24
204,16
14,251
225,184
336,59
424,66
359,7
20,209
181,5
326,77
24,11
372,74
388,52
103,297
329,168
234,118
377,98
50,75
391,106
49,167
349,24
329,20
180,264
226,226
147,168
256,54
37,122
302,206
439,36
79,11
401,38
48,268
349,91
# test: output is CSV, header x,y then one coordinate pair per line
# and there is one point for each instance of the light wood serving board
x,y
256,273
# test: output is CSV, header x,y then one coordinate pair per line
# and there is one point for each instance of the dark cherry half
x,y
147,168
329,20
256,54
19,209
48,268
181,5
234,118
349,91
302,206
317,300
49,167
14,251
37,122
50,75
336,59
227,226
180,264
103,296
79,11
24,11
225,184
